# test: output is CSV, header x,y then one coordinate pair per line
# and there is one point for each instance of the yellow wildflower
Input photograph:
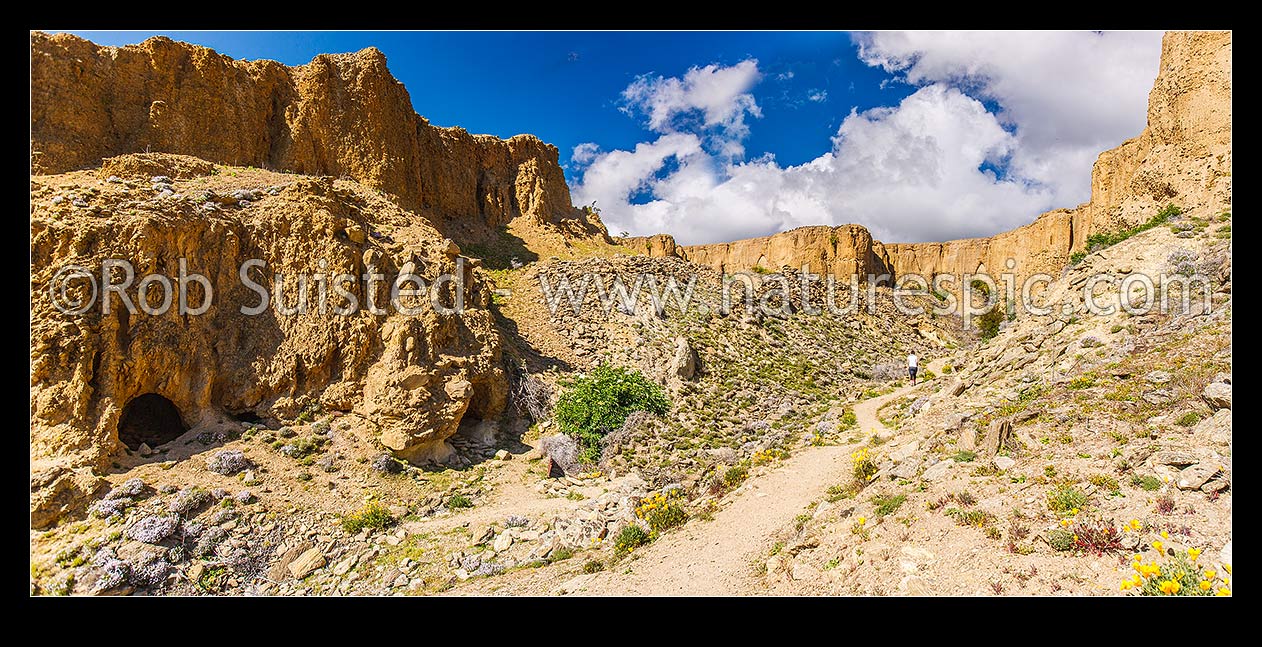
x,y
1165,535
862,520
1074,511
1064,523
1205,586
1209,575
1193,553
1227,567
1223,592
1157,546
1136,524
1170,587
1126,585
1139,581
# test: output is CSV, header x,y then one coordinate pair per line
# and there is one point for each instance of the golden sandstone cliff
x,y
339,115
1183,157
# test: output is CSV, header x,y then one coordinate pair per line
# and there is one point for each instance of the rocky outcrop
x,y
342,115
411,379
840,251
1183,157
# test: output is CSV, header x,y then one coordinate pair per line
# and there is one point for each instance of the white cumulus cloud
x,y
718,96
920,170
1068,94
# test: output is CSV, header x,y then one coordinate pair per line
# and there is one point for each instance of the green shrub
x,y
979,286
849,419
989,323
1188,419
593,566
374,515
630,538
1149,482
887,505
458,502
735,475
964,456
1061,540
601,401
1104,481
1065,499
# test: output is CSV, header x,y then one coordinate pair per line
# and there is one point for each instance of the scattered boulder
x,y
684,364
997,435
1217,395
937,471
1192,478
1174,457
306,563
59,490
1215,429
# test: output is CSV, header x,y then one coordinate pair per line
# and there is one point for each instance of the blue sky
x,y
719,135
564,86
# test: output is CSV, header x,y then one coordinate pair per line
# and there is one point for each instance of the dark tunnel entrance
x,y
150,419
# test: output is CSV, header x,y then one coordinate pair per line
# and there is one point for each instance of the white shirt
x,y
911,361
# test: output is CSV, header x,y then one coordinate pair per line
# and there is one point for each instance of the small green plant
x,y
1076,257
1188,419
1147,482
1061,539
373,516
212,578
849,419
977,518
979,286
1082,382
593,566
458,502
631,537
561,554
838,492
1066,500
758,269
1116,328
1104,481
964,456
887,504
735,475
601,401
575,495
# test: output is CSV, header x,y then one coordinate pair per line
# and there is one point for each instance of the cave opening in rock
x,y
247,416
150,419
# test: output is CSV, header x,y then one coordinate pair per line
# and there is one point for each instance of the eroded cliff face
x,y
412,378
1183,157
342,115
